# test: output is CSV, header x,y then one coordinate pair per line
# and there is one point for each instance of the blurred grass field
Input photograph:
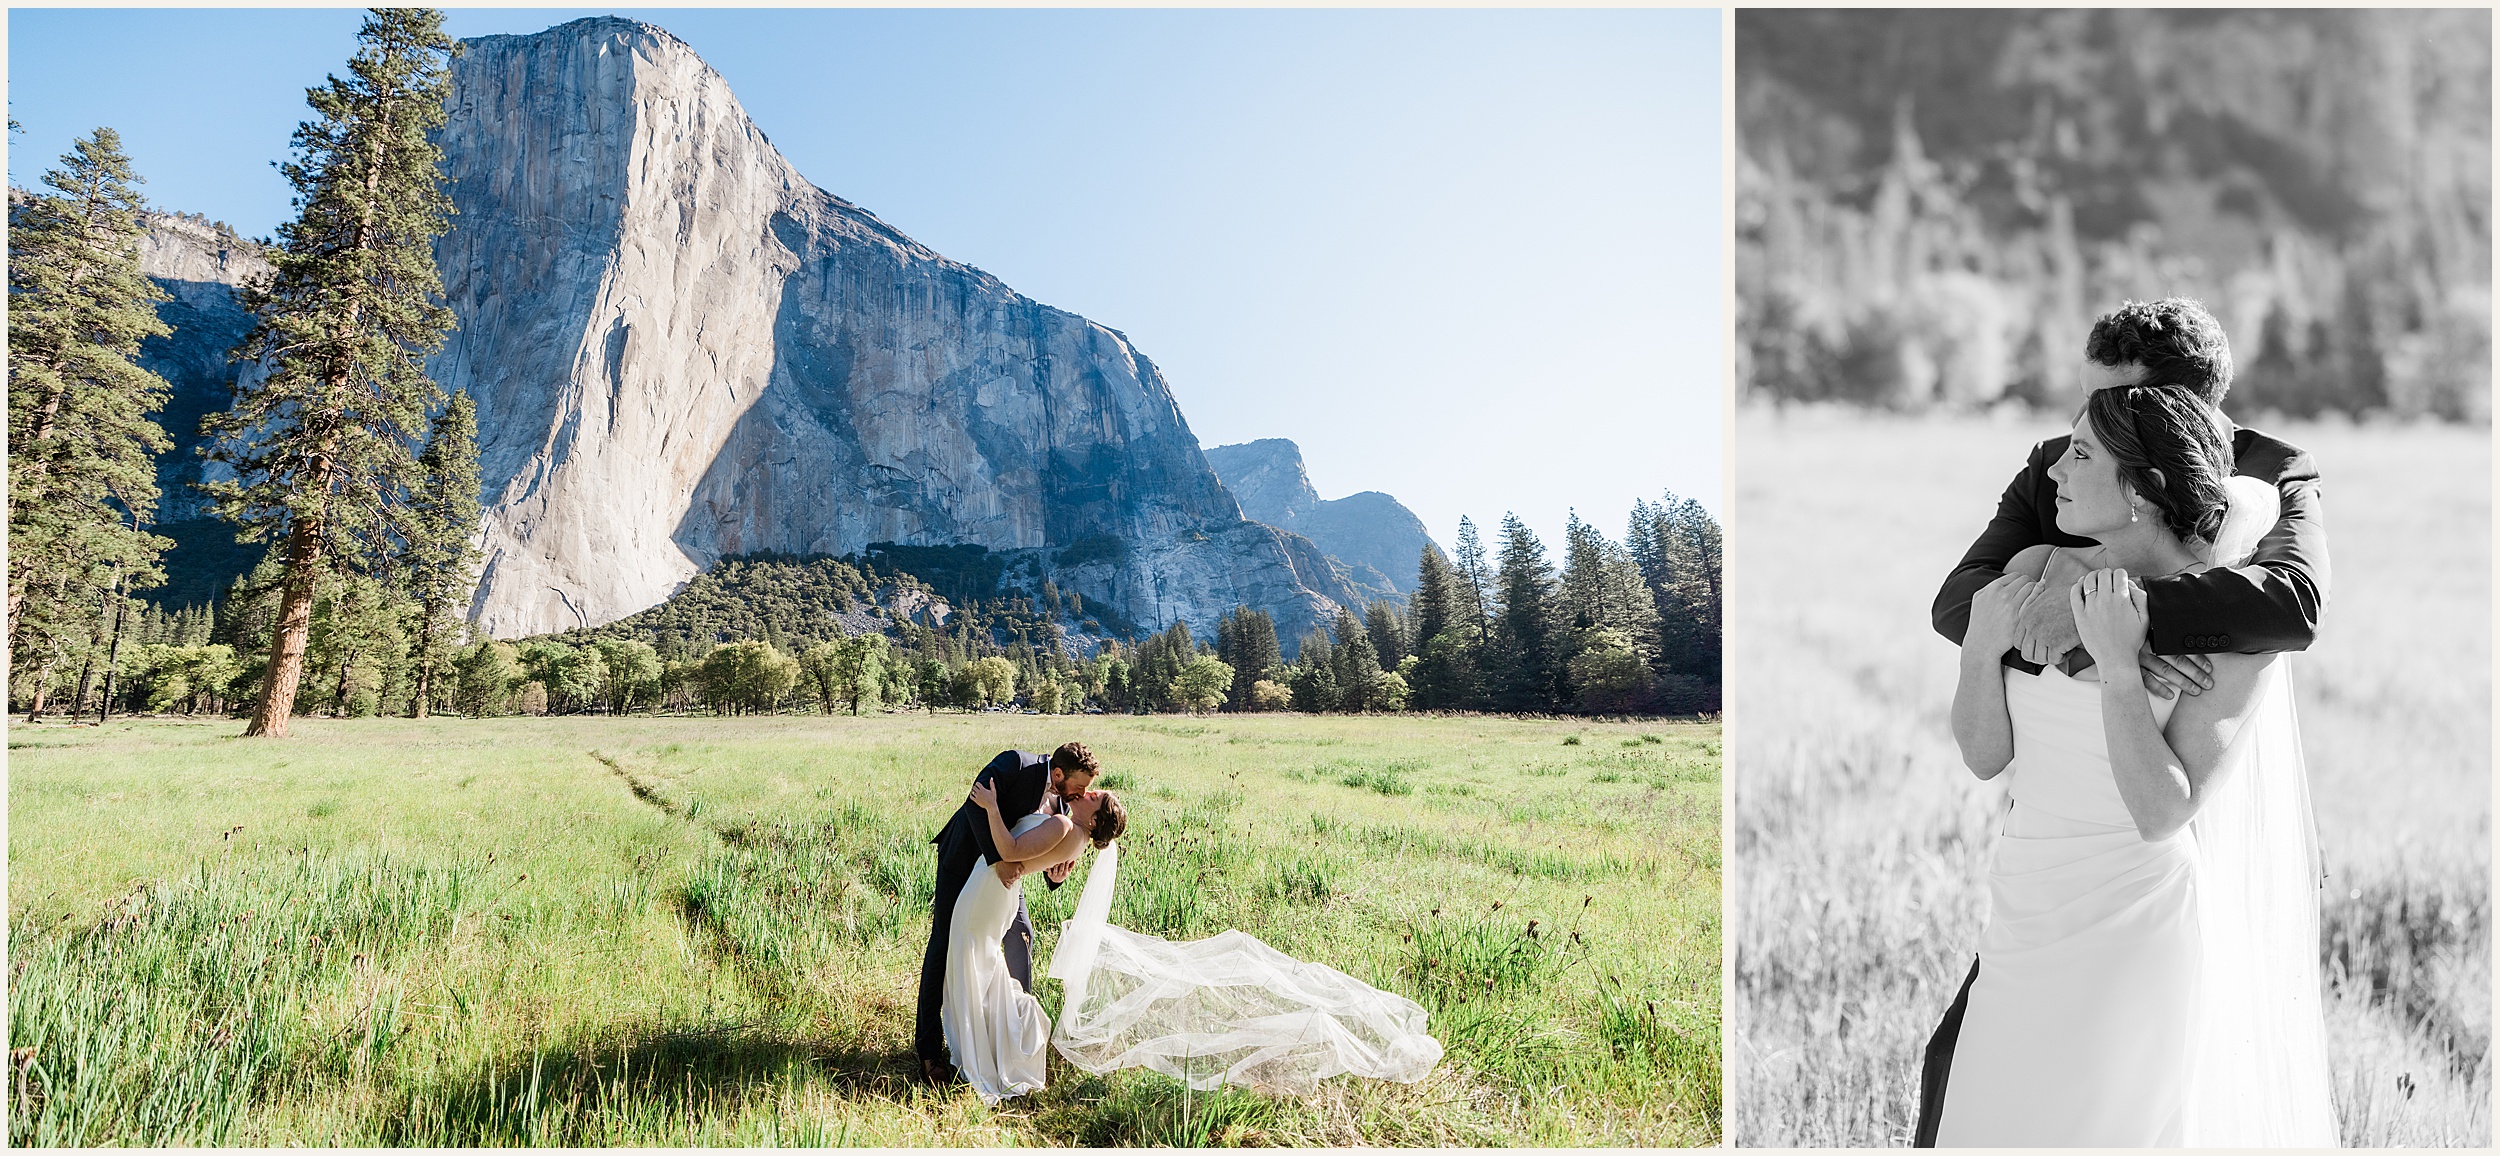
x,y
1859,843
698,931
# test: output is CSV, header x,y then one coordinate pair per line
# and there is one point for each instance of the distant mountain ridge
x,y
1380,541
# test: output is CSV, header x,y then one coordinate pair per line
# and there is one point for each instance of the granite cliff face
x,y
1379,540
680,349
201,266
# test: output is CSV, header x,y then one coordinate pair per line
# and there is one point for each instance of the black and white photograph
x,y
2142,799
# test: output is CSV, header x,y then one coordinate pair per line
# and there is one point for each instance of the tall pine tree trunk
x,y
86,671
112,656
286,648
425,666
43,679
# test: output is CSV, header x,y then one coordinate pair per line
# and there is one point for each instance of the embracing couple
x,y
1227,1009
2149,971
1025,814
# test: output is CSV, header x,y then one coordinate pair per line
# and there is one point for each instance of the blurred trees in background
x,y
1932,206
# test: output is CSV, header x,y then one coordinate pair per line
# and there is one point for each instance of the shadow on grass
x,y
662,1089
1145,1110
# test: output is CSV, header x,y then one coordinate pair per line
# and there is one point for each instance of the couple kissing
x,y
1025,813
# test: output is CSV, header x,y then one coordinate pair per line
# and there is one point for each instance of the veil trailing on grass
x,y
2259,1075
1229,1009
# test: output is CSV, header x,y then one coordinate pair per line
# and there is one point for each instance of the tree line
x,y
1628,627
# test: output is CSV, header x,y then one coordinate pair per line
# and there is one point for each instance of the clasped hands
x,y
2103,612
985,796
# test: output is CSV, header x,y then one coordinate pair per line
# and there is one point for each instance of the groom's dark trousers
x,y
2270,605
1939,1064
1023,781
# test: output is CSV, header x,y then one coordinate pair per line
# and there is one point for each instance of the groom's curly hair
x,y
1073,758
2171,449
2174,339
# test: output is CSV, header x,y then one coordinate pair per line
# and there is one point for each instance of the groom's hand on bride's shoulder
x,y
2044,629
1996,613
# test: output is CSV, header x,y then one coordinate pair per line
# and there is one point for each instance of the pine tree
x,y
322,444
1475,583
1584,568
1432,608
1626,604
1387,629
1353,661
442,555
1443,641
82,451
1683,571
1641,539
1246,642
1524,658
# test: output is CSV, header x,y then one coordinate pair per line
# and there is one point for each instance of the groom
x,y
1026,783
2268,606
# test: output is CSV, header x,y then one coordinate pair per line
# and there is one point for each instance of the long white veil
x,y
2259,1078
2260,1075
1228,1009
1082,935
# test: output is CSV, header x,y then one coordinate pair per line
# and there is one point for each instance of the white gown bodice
x,y
2061,750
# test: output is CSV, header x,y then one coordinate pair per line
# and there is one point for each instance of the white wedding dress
x,y
1228,1009
2141,993
995,1030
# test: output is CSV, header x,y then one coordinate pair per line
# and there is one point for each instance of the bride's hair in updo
x,y
1110,819
2172,449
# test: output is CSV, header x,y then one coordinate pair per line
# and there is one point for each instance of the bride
x,y
2149,972
995,1030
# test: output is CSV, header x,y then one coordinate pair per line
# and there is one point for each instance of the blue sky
x,y
1470,258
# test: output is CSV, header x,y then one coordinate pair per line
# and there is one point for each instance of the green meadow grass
x,y
664,931
1861,844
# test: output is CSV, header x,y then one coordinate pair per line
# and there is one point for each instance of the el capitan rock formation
x,y
681,349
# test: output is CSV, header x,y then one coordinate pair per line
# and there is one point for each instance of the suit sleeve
x,y
2268,606
976,824
2015,527
1006,763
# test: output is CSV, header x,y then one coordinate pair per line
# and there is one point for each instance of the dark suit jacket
x,y
2268,606
1023,781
